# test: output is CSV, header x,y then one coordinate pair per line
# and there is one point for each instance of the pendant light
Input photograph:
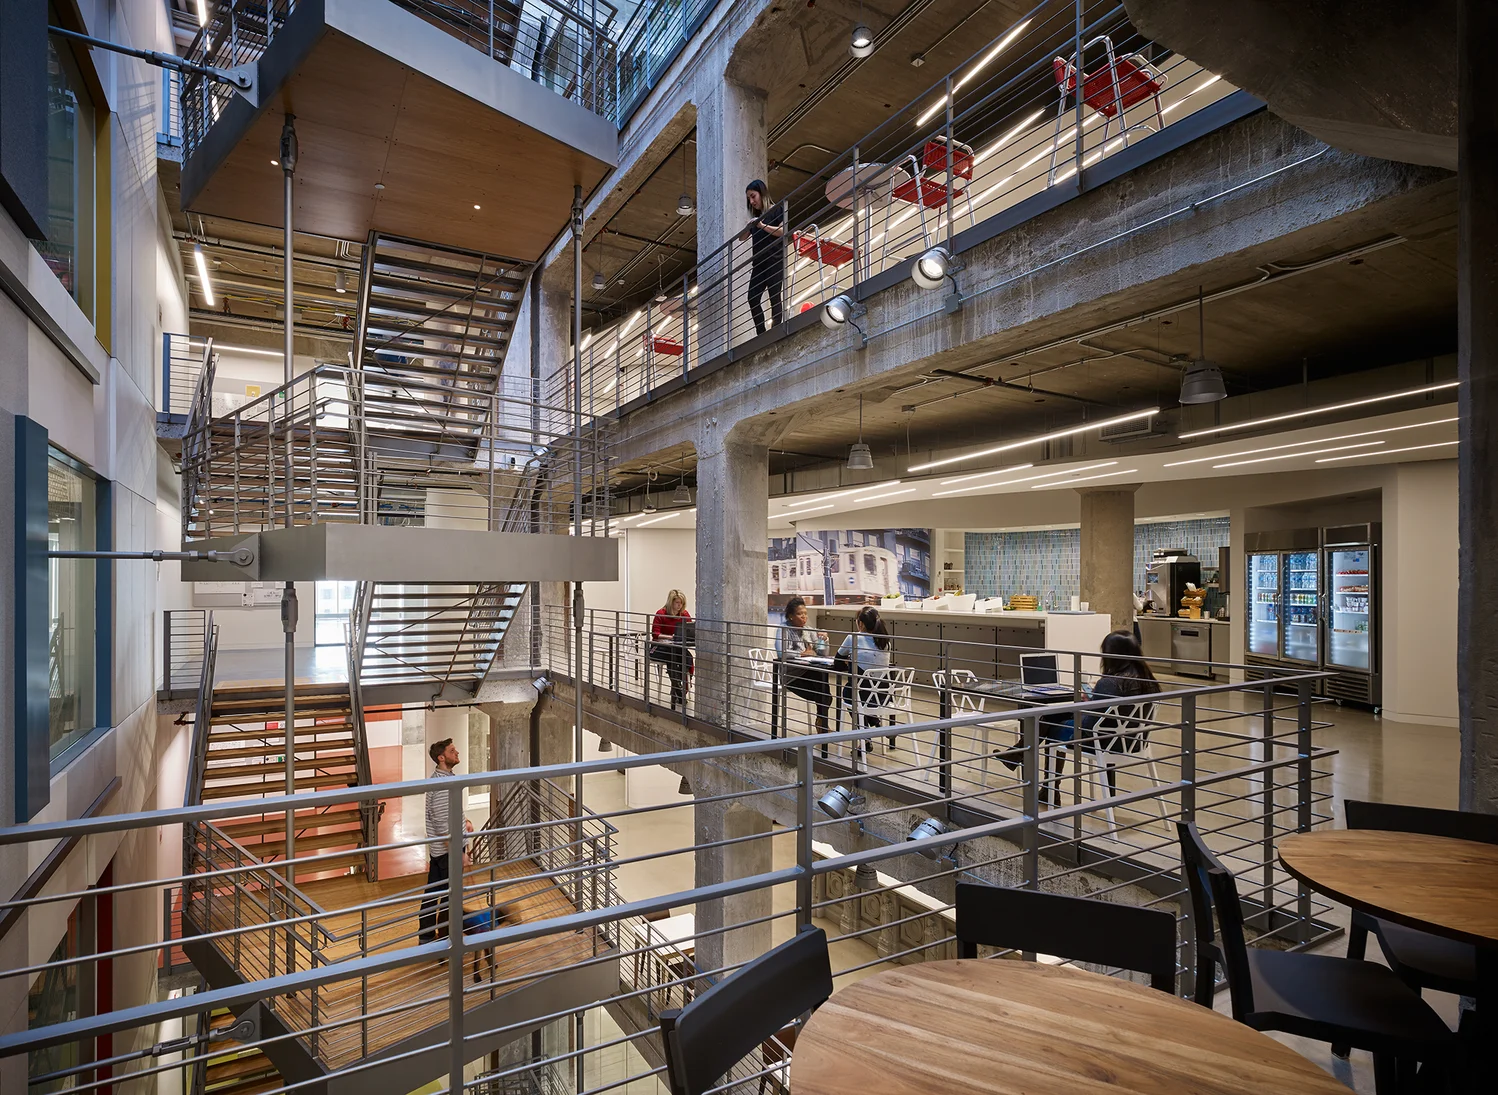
x,y
681,496
1202,382
649,506
685,205
861,44
860,456
599,281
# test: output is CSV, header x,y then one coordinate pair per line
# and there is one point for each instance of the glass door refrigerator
x,y
1350,615
1284,572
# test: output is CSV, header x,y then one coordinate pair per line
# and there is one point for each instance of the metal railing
x,y
169,129
999,131
202,726
346,973
563,46
184,361
369,812
514,469
186,637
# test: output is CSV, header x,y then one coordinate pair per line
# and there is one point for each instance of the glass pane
x,y
1350,608
1264,609
53,998
70,527
1302,605
70,172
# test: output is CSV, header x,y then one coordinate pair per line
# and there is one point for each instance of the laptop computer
x,y
1038,675
686,633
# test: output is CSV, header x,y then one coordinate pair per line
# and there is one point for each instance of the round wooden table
x,y
1003,1026
1438,884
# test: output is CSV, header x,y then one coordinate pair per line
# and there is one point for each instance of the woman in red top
x,y
666,648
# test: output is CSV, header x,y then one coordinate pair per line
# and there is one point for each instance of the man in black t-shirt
x,y
767,269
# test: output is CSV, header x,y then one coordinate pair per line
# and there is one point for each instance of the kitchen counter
x,y
1174,643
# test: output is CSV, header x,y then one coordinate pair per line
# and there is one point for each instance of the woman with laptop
x,y
671,633
1126,675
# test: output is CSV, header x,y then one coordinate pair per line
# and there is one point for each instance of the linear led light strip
x,y
666,517
1314,441
812,509
886,494
1025,479
1010,470
1070,431
1083,479
1388,452
843,494
1295,455
1319,410
983,62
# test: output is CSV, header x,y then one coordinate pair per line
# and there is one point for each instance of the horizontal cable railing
x,y
1004,127
511,466
183,361
563,46
184,644
639,899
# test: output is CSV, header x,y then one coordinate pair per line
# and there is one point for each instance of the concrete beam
x,y
383,553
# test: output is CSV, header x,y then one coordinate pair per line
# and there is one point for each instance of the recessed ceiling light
x,y
1320,410
476,205
275,163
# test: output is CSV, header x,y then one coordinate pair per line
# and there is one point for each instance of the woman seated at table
x,y
795,640
1126,675
867,648
666,648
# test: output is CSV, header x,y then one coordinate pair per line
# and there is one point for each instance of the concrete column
x,y
510,735
714,821
732,565
1477,354
1107,561
731,153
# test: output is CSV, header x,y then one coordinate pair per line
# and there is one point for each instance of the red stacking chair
x,y
824,252
1122,82
924,188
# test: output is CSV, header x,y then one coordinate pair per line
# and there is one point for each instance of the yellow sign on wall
x,y
252,391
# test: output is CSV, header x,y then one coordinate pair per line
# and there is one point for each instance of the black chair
x,y
1078,929
1422,960
733,1018
1316,996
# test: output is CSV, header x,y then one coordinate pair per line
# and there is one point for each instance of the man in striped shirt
x,y
444,759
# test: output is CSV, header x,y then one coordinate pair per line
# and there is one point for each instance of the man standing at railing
x,y
767,269
444,758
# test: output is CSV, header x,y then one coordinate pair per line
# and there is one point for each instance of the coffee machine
x,y
1166,578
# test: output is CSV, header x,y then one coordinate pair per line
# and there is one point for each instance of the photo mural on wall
x,y
851,566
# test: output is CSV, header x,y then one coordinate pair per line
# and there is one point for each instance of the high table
x,y
1437,884
1002,1027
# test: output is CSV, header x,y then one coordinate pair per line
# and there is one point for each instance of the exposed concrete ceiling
x,y
1377,78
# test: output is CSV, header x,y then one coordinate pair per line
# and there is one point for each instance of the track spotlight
x,y
932,268
861,45
865,878
839,801
928,827
340,282
839,310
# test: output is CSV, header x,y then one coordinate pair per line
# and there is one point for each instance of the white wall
x,y
651,562
1419,591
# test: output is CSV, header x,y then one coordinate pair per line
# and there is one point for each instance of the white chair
x,y
1120,737
965,703
762,666
886,693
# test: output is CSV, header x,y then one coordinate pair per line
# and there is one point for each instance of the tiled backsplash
x,y
1037,563
1200,538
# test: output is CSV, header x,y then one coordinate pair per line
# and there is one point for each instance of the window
x,y
54,998
335,600
71,135
71,604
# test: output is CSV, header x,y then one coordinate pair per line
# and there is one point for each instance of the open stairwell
x,y
243,755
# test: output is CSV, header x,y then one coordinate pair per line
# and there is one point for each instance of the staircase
x,y
433,637
229,1069
434,325
243,751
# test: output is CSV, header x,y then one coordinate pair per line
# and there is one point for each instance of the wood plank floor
x,y
419,991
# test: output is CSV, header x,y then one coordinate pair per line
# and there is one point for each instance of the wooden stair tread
x,y
276,749
338,815
337,838
232,771
248,1063
253,790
